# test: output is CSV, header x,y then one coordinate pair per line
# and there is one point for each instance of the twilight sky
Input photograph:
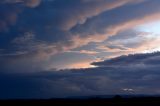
x,y
63,48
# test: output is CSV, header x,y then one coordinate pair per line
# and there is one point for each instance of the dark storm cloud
x,y
137,59
132,74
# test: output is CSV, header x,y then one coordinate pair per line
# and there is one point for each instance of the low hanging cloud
x,y
132,74
137,59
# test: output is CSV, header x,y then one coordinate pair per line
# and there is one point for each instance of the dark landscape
x,y
96,101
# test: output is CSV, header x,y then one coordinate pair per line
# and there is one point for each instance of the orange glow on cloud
x,y
81,65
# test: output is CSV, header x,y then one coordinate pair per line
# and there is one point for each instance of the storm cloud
x,y
139,73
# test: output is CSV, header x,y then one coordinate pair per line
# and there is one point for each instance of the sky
x,y
68,48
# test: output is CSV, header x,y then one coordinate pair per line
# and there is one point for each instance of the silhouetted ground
x,y
116,101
